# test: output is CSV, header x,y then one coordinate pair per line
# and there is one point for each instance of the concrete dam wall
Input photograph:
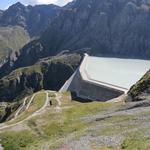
x,y
104,84
85,88
89,91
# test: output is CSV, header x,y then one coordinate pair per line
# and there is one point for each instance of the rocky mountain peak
x,y
17,5
118,28
35,19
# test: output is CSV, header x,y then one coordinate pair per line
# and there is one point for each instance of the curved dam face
x,y
103,79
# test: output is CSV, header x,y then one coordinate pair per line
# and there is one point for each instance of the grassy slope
x,y
50,73
71,60
37,103
11,38
52,129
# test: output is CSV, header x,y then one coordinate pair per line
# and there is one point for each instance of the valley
x,y
75,77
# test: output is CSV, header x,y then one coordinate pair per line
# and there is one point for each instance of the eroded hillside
x,y
49,73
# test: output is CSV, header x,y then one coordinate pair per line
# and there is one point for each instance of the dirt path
x,y
38,112
58,107
31,100
23,105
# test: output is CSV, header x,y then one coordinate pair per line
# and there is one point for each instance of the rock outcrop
x,y
141,90
49,73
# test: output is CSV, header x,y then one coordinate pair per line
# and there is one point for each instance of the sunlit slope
x,y
68,124
11,39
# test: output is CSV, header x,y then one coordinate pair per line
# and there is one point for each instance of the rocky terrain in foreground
x,y
68,124
36,118
141,90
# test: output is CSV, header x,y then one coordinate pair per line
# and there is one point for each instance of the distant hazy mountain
x,y
35,19
11,40
19,22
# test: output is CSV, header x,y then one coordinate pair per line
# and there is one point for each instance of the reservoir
x,y
118,72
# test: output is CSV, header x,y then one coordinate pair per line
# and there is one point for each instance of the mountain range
x,y
102,28
42,47
27,23
34,19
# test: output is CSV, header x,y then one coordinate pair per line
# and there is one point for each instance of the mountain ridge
x,y
34,19
31,22
48,73
117,29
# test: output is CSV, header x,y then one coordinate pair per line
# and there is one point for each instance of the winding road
x,y
20,109
38,112
58,107
31,100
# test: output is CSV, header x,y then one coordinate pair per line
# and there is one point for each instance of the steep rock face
x,y
10,88
107,27
1,13
35,19
141,90
50,73
7,109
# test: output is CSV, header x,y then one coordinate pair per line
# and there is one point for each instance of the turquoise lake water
x,y
116,71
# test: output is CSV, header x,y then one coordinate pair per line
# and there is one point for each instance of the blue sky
x,y
6,3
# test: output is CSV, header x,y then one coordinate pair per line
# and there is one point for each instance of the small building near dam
x,y
102,79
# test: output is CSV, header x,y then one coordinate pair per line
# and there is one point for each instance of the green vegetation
x,y
16,140
26,70
48,73
140,87
7,110
12,39
57,125
136,141
75,120
38,102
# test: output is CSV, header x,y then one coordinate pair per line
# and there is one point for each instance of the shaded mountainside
x,y
141,90
11,39
107,28
49,73
1,13
35,19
